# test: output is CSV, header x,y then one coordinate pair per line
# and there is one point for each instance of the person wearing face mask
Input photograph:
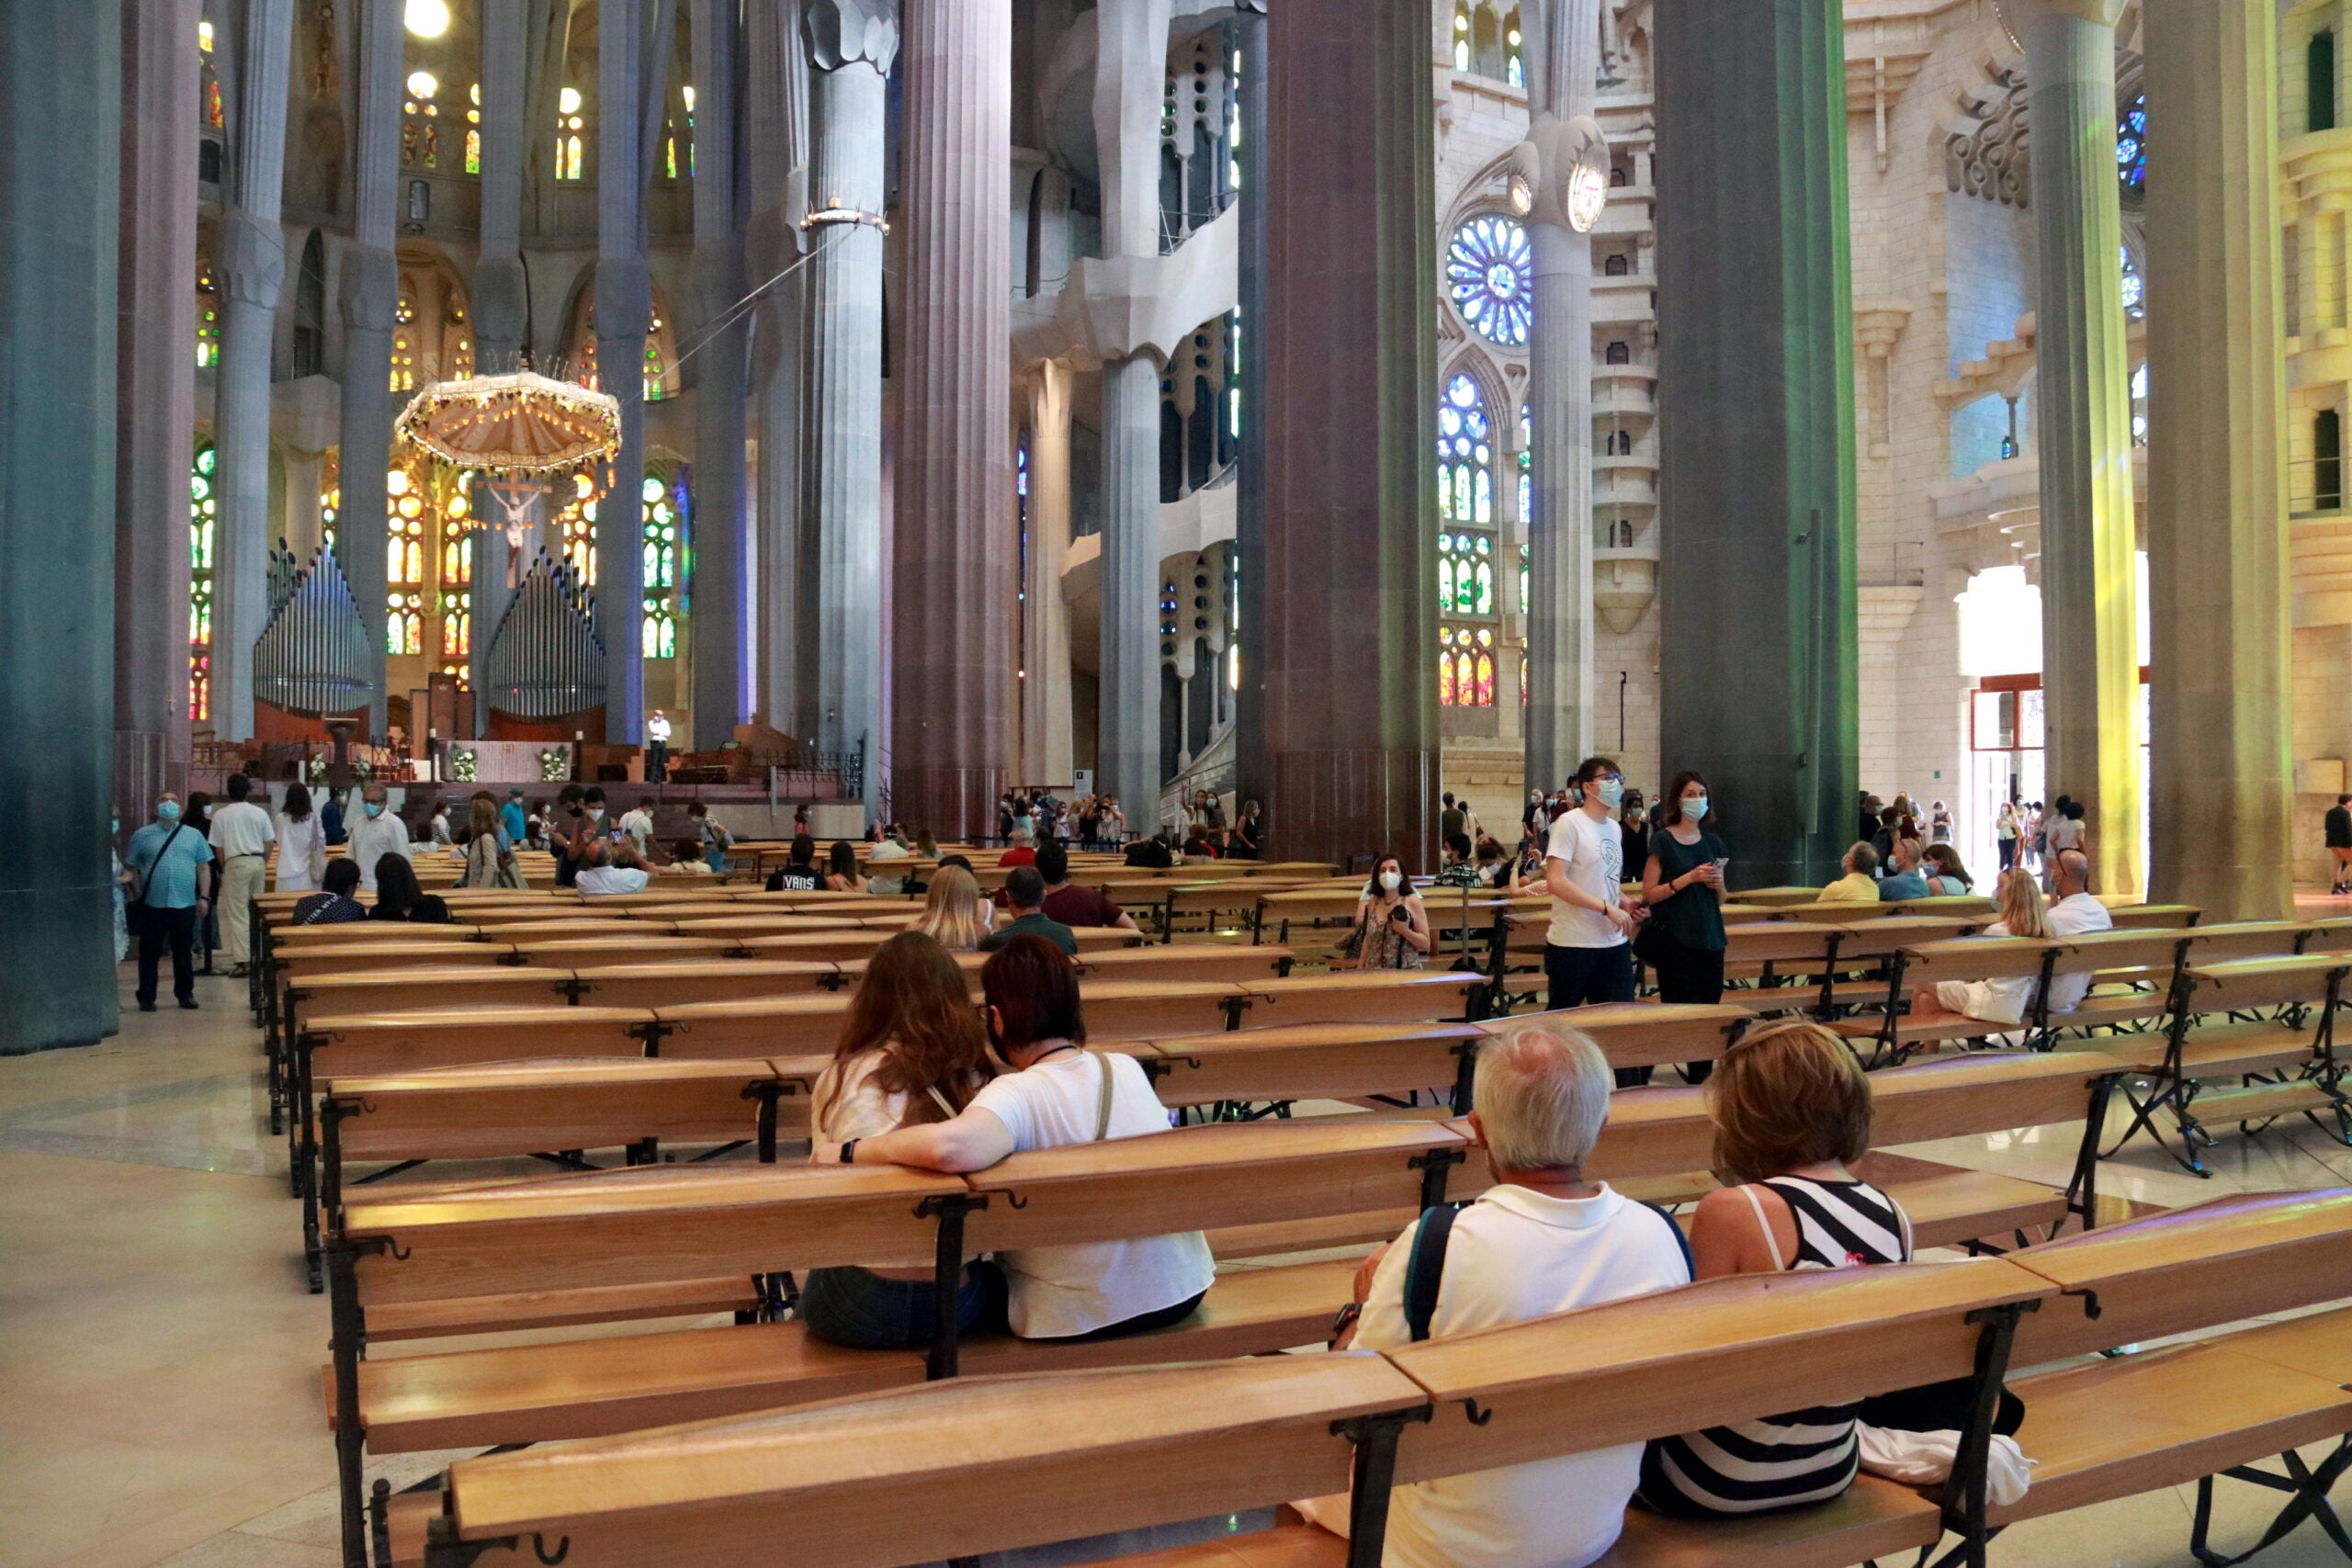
x,y
1392,928
167,858
375,834
1057,1093
1587,955
1682,882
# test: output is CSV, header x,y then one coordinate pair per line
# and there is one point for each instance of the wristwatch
x,y
1345,1320
849,1152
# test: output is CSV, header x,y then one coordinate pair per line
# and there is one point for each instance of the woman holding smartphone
x,y
1682,881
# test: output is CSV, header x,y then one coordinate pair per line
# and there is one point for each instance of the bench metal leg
x,y
947,1279
350,1442
1372,1474
2307,1491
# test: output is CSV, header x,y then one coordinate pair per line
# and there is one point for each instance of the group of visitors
x,y
1091,821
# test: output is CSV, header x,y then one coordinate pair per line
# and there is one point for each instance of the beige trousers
x,y
240,880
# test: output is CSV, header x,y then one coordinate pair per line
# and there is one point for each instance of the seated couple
x,y
1791,1110
921,1079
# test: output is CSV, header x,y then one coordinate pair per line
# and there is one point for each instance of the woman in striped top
x,y
1791,1110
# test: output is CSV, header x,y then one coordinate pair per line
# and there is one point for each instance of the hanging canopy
x,y
522,423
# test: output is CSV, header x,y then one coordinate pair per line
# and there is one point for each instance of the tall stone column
x,y
1757,639
370,299
250,262
720,578
777,126
502,307
1559,535
2090,656
61,156
952,611
1045,751
850,46
2221,664
1347,626
624,315
1130,68
1249,448
156,376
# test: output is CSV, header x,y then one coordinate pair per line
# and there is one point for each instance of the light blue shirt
x,y
509,817
1903,885
172,883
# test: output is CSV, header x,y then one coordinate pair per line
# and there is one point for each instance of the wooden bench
x,y
1906,1021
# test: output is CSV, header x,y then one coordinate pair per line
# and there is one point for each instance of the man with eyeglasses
x,y
1588,950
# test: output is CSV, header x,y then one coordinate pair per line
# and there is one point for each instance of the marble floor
x,y
159,1387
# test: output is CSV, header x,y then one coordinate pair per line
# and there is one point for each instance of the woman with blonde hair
x,y
1792,1109
951,911
911,1052
2023,913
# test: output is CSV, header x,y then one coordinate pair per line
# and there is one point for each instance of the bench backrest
x,y
408,1040
2266,982
1979,958
513,1108
701,980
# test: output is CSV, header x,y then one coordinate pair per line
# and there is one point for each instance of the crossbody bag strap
x,y
1101,1098
147,877
1425,1268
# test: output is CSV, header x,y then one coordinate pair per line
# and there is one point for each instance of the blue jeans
x,y
866,1311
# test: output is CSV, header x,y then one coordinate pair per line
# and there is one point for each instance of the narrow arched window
x,y
2319,66
2327,462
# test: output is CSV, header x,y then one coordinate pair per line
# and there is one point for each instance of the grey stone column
x,y
1348,625
1559,617
2090,656
777,128
1756,636
851,45
720,578
1045,746
250,262
370,299
157,414
2220,665
952,611
61,156
624,315
1250,483
501,308
1130,69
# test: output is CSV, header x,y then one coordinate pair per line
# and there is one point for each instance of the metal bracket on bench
x,y
1828,1007
1964,1492
947,1275
1433,1166
444,1550
348,1343
654,1032
767,1091
1465,1074
572,987
1372,1474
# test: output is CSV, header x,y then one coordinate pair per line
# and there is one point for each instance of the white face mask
x,y
596,813
1389,881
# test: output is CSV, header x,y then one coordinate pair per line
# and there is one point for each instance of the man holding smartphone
x,y
1588,949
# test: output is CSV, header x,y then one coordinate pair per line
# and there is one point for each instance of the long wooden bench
x,y
1908,1019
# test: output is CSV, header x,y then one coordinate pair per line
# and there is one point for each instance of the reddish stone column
x,y
951,697
1347,630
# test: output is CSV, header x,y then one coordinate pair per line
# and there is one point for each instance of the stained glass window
x,y
1465,455
1466,667
1526,470
1466,573
1488,266
577,524
457,599
664,542
404,621
1514,61
419,122
212,114
404,344
207,317
1461,35
568,124
2131,144
654,370
473,130
2135,290
330,497
203,512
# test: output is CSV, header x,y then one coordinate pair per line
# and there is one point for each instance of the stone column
x,y
777,126
624,315
2221,664
1757,636
952,610
720,578
370,298
851,45
1045,754
1347,630
1250,483
156,376
2090,656
62,152
1559,617
250,262
502,306
1130,69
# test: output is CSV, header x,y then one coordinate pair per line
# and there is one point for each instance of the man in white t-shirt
x,y
606,869
1541,1240
2074,912
1057,1093
241,835
637,823
376,831
1588,949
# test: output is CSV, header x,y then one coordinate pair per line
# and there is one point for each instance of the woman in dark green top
x,y
1684,884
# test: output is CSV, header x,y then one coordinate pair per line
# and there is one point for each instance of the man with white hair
x,y
1541,1240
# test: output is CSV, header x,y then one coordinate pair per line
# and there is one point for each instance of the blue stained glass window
x,y
2135,290
2132,143
1464,455
1490,269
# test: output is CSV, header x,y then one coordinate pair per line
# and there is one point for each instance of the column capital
x,y
370,290
848,33
249,257
2022,16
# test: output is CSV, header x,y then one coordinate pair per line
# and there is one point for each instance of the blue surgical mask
x,y
1694,808
1613,793
168,812
118,824
373,809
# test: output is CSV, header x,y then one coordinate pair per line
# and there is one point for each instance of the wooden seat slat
x,y
2153,917
1641,1034
361,959
1875,1518
2318,1343
1985,1092
2243,939
389,1320
2261,982
1124,1449
435,1037
584,953
699,980
1184,962
1367,996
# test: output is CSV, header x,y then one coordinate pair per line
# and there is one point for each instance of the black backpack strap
x,y
1425,1270
1689,1263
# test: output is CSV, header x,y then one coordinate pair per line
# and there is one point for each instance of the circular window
x,y
1488,267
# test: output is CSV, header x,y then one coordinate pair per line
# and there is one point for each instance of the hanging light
x,y
427,19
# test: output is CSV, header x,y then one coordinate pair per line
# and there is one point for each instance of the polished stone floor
x,y
159,1359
